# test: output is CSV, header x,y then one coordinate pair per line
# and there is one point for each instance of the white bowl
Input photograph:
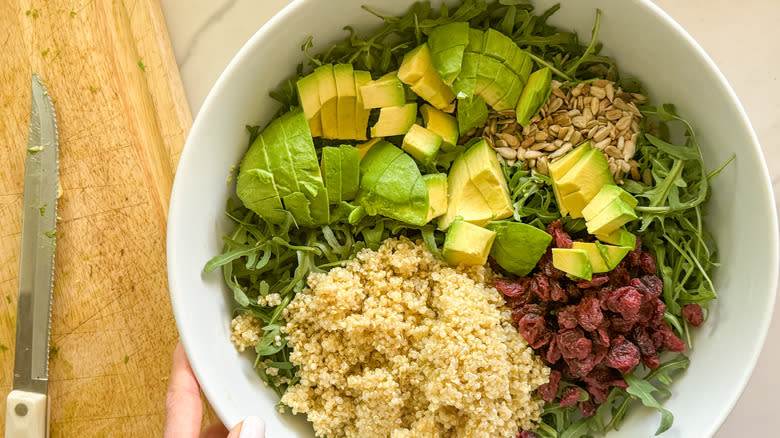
x,y
646,43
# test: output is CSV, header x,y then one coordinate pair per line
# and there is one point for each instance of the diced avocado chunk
x,y
391,185
467,244
447,43
418,72
437,194
383,92
559,167
347,97
511,95
395,120
309,98
464,198
485,172
597,262
466,82
605,196
498,45
587,176
518,247
616,214
362,113
574,262
534,95
440,123
472,112
619,237
326,82
612,254
477,189
421,143
285,137
364,147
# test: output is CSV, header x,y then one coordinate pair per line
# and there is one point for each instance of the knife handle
x,y
26,415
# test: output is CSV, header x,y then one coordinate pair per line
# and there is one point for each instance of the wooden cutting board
x,y
123,119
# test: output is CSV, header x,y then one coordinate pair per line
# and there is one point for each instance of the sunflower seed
x,y
555,105
624,122
612,151
601,134
507,153
629,149
528,142
541,165
614,114
533,154
610,89
598,92
602,144
563,149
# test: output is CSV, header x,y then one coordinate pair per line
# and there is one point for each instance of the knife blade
x,y
27,404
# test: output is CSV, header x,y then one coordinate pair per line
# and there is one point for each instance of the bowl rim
x,y
211,388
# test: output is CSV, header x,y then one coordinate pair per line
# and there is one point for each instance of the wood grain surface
x,y
122,120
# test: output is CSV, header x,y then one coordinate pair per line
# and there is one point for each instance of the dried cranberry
x,y
561,239
647,263
567,317
527,434
596,281
646,347
603,336
587,408
621,325
533,328
599,381
540,287
623,355
570,396
589,314
549,390
553,353
557,293
546,266
670,341
510,288
573,344
649,285
693,314
580,368
626,301
619,276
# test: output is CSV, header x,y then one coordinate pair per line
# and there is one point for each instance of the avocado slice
x,y
421,143
574,262
257,190
466,82
597,261
347,97
440,123
331,173
518,246
309,98
418,72
511,96
447,43
613,254
588,175
485,172
464,198
437,194
391,185
395,120
326,83
559,167
350,172
616,214
467,244
340,172
619,237
472,112
477,190
604,197
362,113
383,92
535,94
364,147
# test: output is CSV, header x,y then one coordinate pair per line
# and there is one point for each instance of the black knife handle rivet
x,y
21,409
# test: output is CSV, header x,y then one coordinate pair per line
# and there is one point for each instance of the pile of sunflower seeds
x,y
596,111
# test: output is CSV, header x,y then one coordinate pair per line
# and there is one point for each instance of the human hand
x,y
184,410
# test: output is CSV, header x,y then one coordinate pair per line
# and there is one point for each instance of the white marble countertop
x,y
742,37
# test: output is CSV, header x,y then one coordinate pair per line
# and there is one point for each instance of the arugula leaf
x,y
643,390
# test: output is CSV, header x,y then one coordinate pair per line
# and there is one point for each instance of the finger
x,y
182,403
215,431
251,427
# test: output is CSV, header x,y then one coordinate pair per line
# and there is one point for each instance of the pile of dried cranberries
x,y
592,332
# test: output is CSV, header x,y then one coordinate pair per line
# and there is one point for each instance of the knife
x,y
27,407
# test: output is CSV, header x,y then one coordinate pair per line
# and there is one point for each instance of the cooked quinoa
x,y
398,344
245,331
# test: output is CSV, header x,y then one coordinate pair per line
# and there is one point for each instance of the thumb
x,y
251,427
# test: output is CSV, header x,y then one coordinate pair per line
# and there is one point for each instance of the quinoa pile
x,y
398,344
